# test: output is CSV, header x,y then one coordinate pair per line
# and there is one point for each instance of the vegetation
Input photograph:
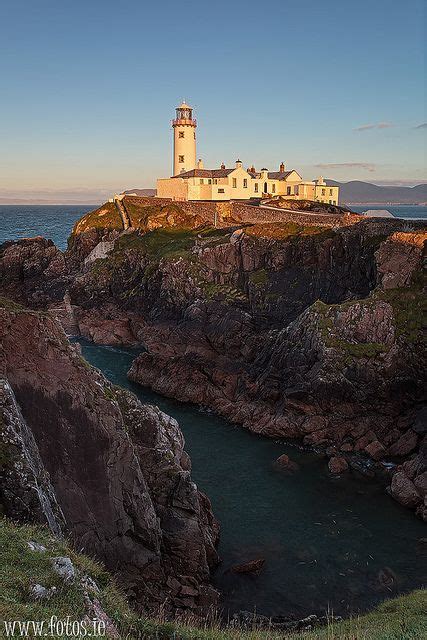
x,y
105,217
10,305
159,243
259,278
224,292
409,309
288,230
403,618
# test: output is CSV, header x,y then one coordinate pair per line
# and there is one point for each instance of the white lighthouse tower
x,y
184,139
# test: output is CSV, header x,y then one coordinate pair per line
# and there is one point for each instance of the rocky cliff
x,y
306,329
95,464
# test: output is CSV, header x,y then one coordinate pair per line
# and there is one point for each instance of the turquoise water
x,y
325,540
399,211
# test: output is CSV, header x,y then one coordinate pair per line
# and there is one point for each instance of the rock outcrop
x,y
292,330
33,272
112,470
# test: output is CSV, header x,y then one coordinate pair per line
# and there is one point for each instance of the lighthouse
x,y
184,139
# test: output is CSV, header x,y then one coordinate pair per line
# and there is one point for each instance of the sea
x,y
408,211
329,543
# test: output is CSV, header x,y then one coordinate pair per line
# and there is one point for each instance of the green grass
x,y
259,278
159,243
403,618
10,305
224,292
289,231
409,310
105,217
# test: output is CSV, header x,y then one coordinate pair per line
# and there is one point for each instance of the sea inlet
x,y
329,543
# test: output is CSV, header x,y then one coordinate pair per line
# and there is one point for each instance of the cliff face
x,y
114,472
307,330
33,272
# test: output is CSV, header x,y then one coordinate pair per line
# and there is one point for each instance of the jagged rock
x,y
39,592
337,465
89,585
286,465
289,330
375,450
112,463
26,492
405,445
33,272
253,566
64,568
403,490
398,258
36,546
96,612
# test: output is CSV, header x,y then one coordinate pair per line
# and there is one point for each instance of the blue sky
x,y
89,87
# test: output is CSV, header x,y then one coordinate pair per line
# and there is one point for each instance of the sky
x,y
88,88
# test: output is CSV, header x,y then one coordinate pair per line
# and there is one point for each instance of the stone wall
x,y
225,213
249,213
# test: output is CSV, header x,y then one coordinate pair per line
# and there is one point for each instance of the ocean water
x,y
406,211
327,542
51,221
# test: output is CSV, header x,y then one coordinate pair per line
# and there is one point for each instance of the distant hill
x,y
363,192
142,192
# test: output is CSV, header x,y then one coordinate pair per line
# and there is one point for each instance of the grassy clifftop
x,y
22,568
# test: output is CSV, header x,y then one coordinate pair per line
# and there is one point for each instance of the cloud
x,y
377,125
348,165
421,126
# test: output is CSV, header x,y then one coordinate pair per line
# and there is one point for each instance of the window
x,y
202,181
288,191
220,190
323,192
256,187
234,183
180,158
181,134
330,192
215,181
296,190
330,201
273,188
194,135
245,183
209,181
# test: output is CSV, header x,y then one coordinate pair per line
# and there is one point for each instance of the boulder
x,y
405,445
253,566
403,490
337,465
286,465
375,450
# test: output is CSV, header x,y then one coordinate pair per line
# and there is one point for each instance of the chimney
x,y
222,166
238,164
252,169
200,164
282,167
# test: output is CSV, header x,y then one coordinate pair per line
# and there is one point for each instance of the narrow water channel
x,y
338,543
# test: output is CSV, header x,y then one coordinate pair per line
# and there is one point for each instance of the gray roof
x,y
272,175
205,173
223,173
